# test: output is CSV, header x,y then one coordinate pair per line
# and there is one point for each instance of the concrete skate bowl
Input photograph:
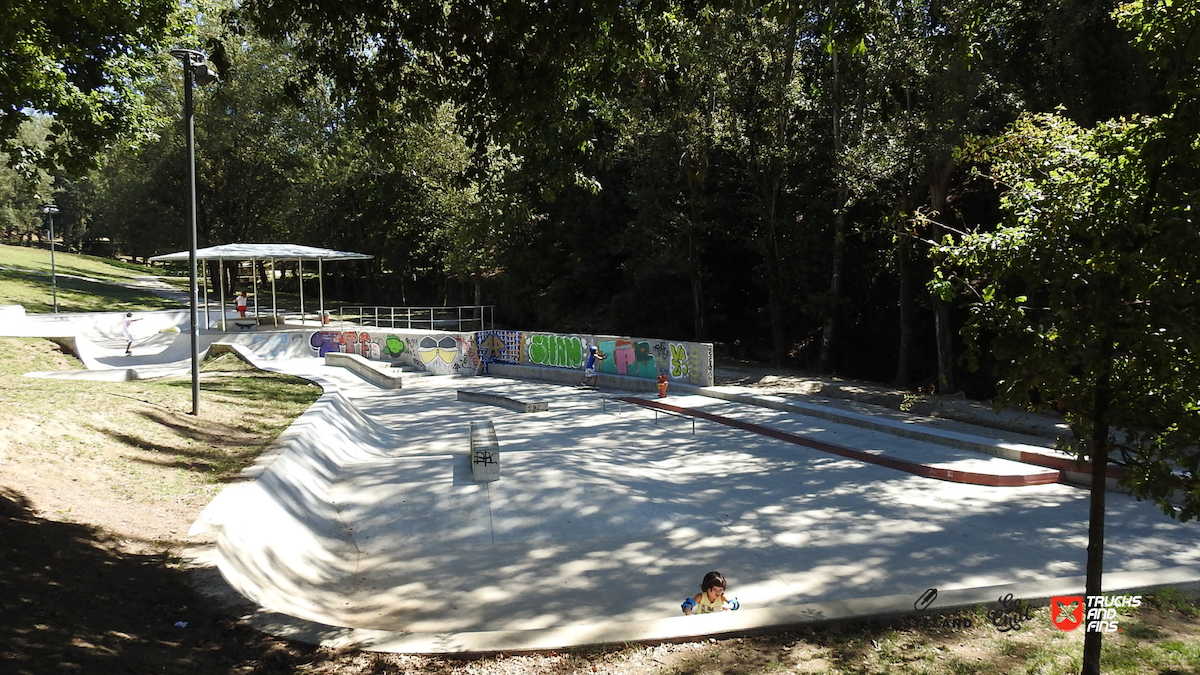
x,y
370,533
162,346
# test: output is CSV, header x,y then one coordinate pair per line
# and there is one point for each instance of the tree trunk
x,y
829,332
945,346
904,271
1092,641
939,190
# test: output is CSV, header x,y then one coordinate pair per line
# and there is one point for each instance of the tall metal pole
x,y
50,210
194,291
189,57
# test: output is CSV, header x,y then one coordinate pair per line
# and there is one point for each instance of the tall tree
x,y
1089,300
81,63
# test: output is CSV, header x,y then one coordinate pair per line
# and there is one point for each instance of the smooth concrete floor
x,y
605,516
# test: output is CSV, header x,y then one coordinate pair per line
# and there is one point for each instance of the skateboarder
x,y
590,375
129,333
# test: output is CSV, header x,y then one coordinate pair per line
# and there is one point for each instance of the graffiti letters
x,y
679,361
556,350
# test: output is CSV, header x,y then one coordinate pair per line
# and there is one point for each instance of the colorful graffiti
x,y
471,353
499,346
468,362
444,349
347,342
680,366
626,357
392,347
561,351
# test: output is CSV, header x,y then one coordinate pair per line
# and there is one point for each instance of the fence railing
x,y
450,319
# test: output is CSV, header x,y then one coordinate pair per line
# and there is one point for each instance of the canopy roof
x,y
262,252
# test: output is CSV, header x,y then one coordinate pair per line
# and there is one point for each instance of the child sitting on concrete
x,y
711,597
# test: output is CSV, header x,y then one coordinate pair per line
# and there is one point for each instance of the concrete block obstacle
x,y
485,452
366,369
502,401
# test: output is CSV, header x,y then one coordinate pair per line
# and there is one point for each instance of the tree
x,y
1088,299
82,64
24,191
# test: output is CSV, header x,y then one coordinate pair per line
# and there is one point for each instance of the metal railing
x,y
451,319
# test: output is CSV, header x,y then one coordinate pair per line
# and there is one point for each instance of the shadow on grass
x,y
33,290
223,447
70,601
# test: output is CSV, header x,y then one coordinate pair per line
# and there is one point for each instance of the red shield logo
x,y
1066,611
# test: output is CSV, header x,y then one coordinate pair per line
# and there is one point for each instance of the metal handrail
x,y
451,319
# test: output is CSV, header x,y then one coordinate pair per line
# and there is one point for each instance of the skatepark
x,y
365,527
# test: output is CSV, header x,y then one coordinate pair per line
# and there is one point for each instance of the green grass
x,y
25,280
38,259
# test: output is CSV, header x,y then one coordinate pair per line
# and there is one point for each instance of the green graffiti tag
x,y
556,350
679,361
395,346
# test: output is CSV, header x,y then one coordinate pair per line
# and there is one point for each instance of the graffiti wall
x,y
689,362
438,353
471,353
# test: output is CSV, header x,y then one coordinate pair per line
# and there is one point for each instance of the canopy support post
x,y
321,289
254,276
300,273
206,317
274,307
221,281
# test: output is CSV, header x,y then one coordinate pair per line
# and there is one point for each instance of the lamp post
x,y
50,210
194,70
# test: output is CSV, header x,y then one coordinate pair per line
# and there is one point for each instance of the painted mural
x,y
444,354
558,351
471,353
632,357
628,357
499,346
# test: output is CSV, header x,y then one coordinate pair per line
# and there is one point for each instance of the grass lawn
x,y
85,283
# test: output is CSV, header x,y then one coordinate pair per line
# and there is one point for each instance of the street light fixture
x,y
195,69
50,210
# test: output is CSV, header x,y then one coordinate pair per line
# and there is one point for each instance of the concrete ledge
x,y
485,452
502,401
573,377
743,622
1030,477
1079,474
365,369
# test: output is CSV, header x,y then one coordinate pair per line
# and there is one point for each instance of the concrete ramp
x,y
282,541
161,343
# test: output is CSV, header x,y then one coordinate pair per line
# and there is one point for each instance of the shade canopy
x,y
269,252
262,252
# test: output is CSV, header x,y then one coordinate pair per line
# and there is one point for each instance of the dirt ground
x,y
99,484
